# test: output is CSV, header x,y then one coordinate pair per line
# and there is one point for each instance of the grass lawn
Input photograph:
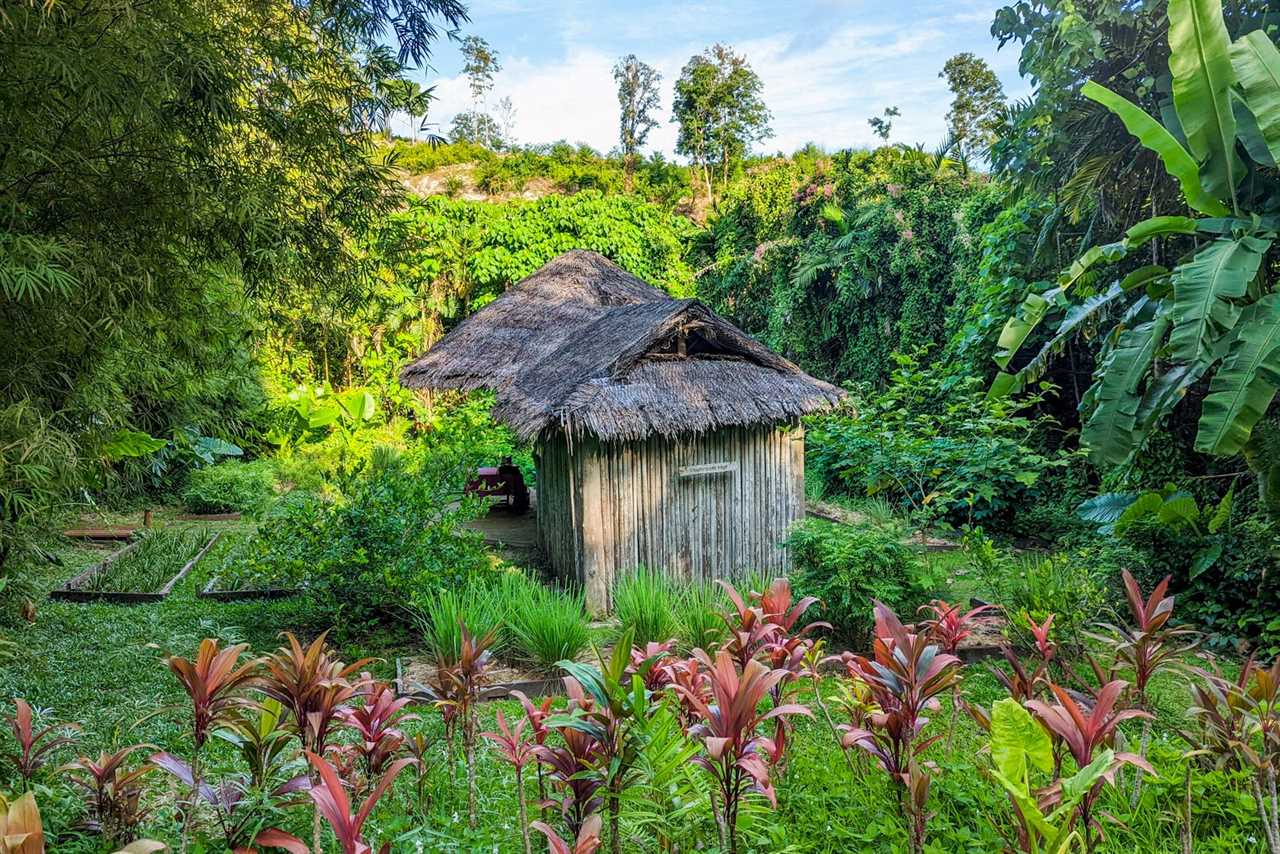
x,y
100,666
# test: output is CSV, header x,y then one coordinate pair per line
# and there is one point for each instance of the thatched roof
x,y
585,346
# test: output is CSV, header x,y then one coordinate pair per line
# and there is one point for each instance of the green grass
x,y
160,555
101,665
544,625
642,602
481,609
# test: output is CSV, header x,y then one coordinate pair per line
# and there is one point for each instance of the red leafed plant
x,y
377,722
687,678
649,661
538,730
733,751
112,793
514,746
313,685
750,631
789,646
905,678
1084,732
570,765
332,803
587,841
948,628
461,683
34,748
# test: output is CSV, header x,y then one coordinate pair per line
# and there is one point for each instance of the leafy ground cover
x,y
102,667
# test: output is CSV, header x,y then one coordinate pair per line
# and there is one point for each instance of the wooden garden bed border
x,y
497,691
209,517
253,593
69,591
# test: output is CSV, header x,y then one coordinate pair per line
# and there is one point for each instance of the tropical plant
x,y
312,684
333,803
1089,732
482,609
514,747
258,732
377,725
1019,746
538,731
236,821
112,793
608,702
734,752
587,840
463,680
570,765
34,747
21,831
948,628
1213,315
230,487
904,679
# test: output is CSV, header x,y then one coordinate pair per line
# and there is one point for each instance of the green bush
x,y
644,603
847,567
230,487
441,615
935,445
543,625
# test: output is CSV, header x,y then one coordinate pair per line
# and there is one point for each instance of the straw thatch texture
x,y
585,346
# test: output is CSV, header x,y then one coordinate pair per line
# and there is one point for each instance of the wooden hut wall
x,y
696,508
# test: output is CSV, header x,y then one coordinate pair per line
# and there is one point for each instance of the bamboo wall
x,y
695,508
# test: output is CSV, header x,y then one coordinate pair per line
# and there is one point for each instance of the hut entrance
x,y
708,491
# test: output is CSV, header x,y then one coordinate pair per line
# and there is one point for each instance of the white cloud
x,y
821,86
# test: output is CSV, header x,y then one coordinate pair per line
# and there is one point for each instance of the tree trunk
x,y
524,817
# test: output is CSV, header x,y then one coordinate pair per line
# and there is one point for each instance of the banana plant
x,y
1212,315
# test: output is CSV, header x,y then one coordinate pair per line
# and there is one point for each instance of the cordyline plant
x,y
1147,647
112,793
948,627
377,725
538,731
214,683
1018,747
618,703
733,751
570,765
21,831
813,661
34,747
313,685
789,646
750,631
586,841
905,678
1086,734
227,800
259,735
463,681
332,803
514,747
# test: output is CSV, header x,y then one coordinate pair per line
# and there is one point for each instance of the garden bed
x,y
411,677
229,582
139,572
209,517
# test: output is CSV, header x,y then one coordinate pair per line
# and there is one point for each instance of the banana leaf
x,y
1110,433
1200,62
1203,291
1257,66
1177,161
1245,385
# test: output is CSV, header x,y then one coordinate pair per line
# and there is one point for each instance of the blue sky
x,y
826,66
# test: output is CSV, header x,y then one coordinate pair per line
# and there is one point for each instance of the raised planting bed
x,y
209,517
232,577
409,683
143,571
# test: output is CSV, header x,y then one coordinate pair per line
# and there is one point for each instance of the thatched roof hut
x,y
597,368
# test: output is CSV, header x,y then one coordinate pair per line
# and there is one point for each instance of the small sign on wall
x,y
707,469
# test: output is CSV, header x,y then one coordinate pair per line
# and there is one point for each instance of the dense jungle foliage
x,y
1061,351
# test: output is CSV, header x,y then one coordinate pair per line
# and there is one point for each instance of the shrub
x,y
544,625
847,567
936,445
230,487
643,603
287,546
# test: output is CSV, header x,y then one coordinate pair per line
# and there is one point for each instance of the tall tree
x,y
162,164
976,105
637,100
720,110
481,63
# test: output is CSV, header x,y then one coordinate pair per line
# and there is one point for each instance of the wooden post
x,y
595,572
